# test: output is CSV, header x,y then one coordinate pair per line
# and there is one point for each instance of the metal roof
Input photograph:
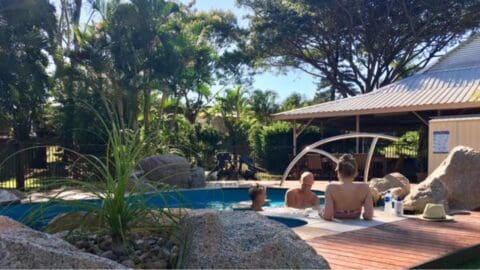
x,y
451,83
466,54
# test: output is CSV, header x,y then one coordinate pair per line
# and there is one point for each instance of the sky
x,y
284,83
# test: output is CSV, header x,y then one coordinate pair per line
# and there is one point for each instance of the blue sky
x,y
284,83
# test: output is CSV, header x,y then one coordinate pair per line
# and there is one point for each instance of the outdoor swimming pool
x,y
223,199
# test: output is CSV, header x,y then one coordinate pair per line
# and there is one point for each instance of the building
x,y
449,87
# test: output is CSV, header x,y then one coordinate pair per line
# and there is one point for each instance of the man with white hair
x,y
302,197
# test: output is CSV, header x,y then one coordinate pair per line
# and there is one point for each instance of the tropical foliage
x,y
356,46
182,77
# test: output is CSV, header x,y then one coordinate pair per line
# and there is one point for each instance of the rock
x,y
170,169
9,197
375,194
128,263
165,253
22,247
426,192
456,183
160,264
119,249
398,185
212,176
106,243
241,239
109,255
197,177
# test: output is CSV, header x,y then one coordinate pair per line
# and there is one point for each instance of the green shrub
x,y
117,213
276,146
255,142
406,146
207,142
272,145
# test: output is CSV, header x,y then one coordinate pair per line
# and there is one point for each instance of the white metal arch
x,y
312,149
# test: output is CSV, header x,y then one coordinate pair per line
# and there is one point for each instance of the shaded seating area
x,y
324,168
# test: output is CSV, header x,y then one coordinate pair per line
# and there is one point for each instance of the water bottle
x,y
399,207
387,202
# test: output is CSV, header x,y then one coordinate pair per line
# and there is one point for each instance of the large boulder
x,y
170,169
395,182
242,239
197,177
22,247
9,197
456,183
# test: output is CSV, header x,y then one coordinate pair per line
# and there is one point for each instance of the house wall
x,y
446,133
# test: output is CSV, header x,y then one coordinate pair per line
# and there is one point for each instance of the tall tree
x,y
27,39
67,75
357,46
263,105
294,101
234,109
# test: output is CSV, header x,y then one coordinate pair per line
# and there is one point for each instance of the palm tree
x,y
263,105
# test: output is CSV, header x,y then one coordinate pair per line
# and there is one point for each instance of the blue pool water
x,y
218,198
289,222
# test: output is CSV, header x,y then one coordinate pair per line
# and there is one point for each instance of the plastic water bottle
x,y
399,207
387,202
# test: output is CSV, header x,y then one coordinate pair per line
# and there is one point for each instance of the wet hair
x,y
256,190
347,166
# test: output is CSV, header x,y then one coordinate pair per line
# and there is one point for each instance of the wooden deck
x,y
399,245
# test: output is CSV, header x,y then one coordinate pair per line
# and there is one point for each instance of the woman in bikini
x,y
346,198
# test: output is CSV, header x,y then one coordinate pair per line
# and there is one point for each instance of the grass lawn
x,y
268,176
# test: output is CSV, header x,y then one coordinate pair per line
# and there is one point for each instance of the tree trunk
x,y
146,109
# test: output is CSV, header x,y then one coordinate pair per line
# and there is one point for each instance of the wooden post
x,y
357,129
294,138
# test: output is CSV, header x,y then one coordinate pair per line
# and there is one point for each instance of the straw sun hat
x,y
434,212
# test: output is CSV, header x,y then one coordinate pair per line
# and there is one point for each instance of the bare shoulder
x,y
292,191
332,187
362,186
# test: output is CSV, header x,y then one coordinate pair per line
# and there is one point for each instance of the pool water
x,y
289,222
223,199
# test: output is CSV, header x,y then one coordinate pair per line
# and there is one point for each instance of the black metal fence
x,y
33,165
388,157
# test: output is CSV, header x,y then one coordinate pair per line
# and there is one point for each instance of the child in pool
x,y
258,194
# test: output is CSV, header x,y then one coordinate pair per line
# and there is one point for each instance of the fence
x,y
38,163
33,165
388,157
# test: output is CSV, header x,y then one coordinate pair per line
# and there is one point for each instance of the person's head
x,y
346,167
306,180
258,194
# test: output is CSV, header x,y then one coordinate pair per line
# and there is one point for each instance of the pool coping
x,y
316,226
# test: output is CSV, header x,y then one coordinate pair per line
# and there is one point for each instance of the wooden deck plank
x,y
398,245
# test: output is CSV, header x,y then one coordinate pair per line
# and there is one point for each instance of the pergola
x,y
451,86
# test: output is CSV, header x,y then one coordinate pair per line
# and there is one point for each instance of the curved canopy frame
x,y
312,148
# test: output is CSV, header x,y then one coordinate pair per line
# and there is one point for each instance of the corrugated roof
x,y
466,54
453,82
